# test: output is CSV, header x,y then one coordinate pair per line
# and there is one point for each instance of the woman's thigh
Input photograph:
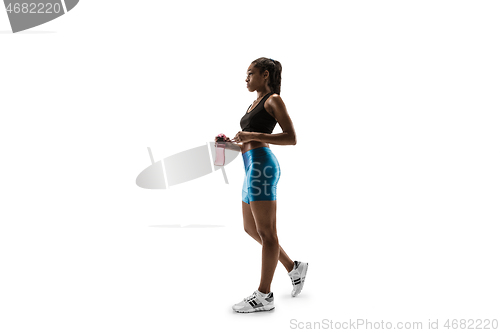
x,y
248,220
264,215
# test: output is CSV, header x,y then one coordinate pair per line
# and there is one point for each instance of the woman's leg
x,y
264,213
251,229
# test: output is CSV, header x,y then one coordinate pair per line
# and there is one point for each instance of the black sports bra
x,y
258,120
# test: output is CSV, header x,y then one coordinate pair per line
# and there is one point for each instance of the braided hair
x,y
274,69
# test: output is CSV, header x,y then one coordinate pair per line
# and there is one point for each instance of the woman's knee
x,y
249,231
268,235
254,235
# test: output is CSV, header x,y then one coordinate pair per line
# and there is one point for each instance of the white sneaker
x,y
298,276
255,302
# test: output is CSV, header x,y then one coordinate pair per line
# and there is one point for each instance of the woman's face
x,y
255,80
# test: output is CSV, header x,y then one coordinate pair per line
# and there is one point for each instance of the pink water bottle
x,y
220,147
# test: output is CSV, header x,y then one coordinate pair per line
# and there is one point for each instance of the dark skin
x,y
259,217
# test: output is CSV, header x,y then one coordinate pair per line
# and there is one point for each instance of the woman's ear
x,y
266,74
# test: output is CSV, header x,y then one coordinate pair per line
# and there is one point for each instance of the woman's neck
x,y
263,93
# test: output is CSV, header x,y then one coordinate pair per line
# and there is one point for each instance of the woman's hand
x,y
244,137
225,138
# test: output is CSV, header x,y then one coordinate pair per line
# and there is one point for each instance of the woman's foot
x,y
298,276
255,302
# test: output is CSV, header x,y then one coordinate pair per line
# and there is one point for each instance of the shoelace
x,y
251,297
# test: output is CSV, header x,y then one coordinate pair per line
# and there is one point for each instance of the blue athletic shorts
x,y
262,172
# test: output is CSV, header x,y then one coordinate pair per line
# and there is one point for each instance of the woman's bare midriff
x,y
252,145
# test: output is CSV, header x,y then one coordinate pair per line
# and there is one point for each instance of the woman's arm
x,y
275,139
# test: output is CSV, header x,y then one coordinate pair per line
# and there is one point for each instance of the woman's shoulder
x,y
274,96
273,100
272,103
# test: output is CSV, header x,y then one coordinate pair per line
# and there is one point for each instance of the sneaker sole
x,y
264,308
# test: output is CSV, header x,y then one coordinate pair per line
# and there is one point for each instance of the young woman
x,y
262,172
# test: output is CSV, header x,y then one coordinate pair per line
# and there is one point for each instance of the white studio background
x,y
391,193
